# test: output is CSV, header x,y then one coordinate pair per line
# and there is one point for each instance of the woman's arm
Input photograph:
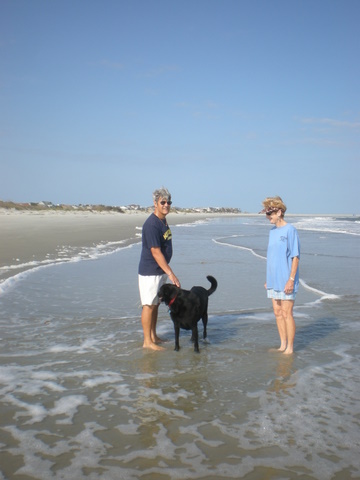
x,y
289,287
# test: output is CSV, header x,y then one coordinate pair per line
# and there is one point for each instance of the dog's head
x,y
167,293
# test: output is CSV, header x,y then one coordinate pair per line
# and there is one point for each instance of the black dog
x,y
187,307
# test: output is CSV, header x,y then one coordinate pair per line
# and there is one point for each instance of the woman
x,y
282,270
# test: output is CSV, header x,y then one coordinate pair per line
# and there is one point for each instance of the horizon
x,y
173,207
222,103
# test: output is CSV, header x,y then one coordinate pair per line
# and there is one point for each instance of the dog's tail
x,y
214,284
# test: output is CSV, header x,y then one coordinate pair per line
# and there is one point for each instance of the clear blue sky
x,y
224,102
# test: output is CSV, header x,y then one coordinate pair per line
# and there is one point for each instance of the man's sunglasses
x,y
169,202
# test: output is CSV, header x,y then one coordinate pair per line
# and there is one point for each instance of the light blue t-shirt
x,y
284,245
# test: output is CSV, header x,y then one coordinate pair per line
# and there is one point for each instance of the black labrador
x,y
187,307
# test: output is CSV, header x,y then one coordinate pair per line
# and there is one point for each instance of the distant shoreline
x,y
147,210
50,207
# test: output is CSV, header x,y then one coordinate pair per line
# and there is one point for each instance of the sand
x,y
26,236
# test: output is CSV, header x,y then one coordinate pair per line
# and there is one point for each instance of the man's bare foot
x,y
278,350
159,340
153,346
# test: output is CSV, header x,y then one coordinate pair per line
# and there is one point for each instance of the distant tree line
x,y
42,206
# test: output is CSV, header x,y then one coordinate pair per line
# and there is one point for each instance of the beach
x,y
30,237
80,398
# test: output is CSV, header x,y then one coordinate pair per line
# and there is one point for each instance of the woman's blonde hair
x,y
274,203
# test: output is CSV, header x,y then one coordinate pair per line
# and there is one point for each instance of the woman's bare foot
x,y
288,351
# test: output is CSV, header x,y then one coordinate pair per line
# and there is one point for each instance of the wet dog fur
x,y
187,307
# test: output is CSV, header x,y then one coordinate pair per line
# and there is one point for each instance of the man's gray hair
x,y
161,193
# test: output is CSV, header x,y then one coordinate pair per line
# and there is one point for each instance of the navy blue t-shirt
x,y
155,233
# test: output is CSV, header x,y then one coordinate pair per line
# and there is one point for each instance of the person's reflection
x,y
171,390
148,389
285,375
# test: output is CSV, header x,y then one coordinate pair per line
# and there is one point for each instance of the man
x,y
154,265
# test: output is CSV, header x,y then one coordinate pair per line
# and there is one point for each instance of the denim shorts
x,y
276,295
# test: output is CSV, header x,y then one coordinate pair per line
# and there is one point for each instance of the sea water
x,y
80,398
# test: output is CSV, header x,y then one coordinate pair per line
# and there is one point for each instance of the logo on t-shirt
x,y
167,235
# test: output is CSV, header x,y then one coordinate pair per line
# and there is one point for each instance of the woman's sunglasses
x,y
169,202
270,212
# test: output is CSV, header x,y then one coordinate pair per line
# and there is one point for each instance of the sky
x,y
224,102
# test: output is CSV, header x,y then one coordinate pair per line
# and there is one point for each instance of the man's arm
x,y
160,260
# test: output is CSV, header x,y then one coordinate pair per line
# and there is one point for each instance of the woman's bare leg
x,y
287,308
280,323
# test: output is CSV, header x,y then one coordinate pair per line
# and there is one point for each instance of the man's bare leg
x,y
154,337
149,320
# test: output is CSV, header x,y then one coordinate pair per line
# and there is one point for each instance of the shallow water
x,y
80,398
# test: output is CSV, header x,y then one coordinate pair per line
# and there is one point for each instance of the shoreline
x,y
32,237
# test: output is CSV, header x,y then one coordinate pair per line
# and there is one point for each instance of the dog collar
x,y
172,301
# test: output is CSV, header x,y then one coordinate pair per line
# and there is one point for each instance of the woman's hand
x,y
289,287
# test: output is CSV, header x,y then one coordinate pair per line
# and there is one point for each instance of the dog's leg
x,y
205,321
177,335
195,337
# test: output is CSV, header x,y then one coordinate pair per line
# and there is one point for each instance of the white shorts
x,y
149,286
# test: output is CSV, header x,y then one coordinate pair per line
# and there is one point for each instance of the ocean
x,y
81,399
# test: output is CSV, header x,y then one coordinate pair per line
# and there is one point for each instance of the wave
x,y
218,242
323,295
345,226
196,223
92,253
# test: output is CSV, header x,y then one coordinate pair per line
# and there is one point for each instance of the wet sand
x,y
33,236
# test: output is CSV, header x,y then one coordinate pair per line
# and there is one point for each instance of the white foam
x,y
219,242
68,406
191,225
92,253
84,347
128,429
328,225
106,378
39,458
324,295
